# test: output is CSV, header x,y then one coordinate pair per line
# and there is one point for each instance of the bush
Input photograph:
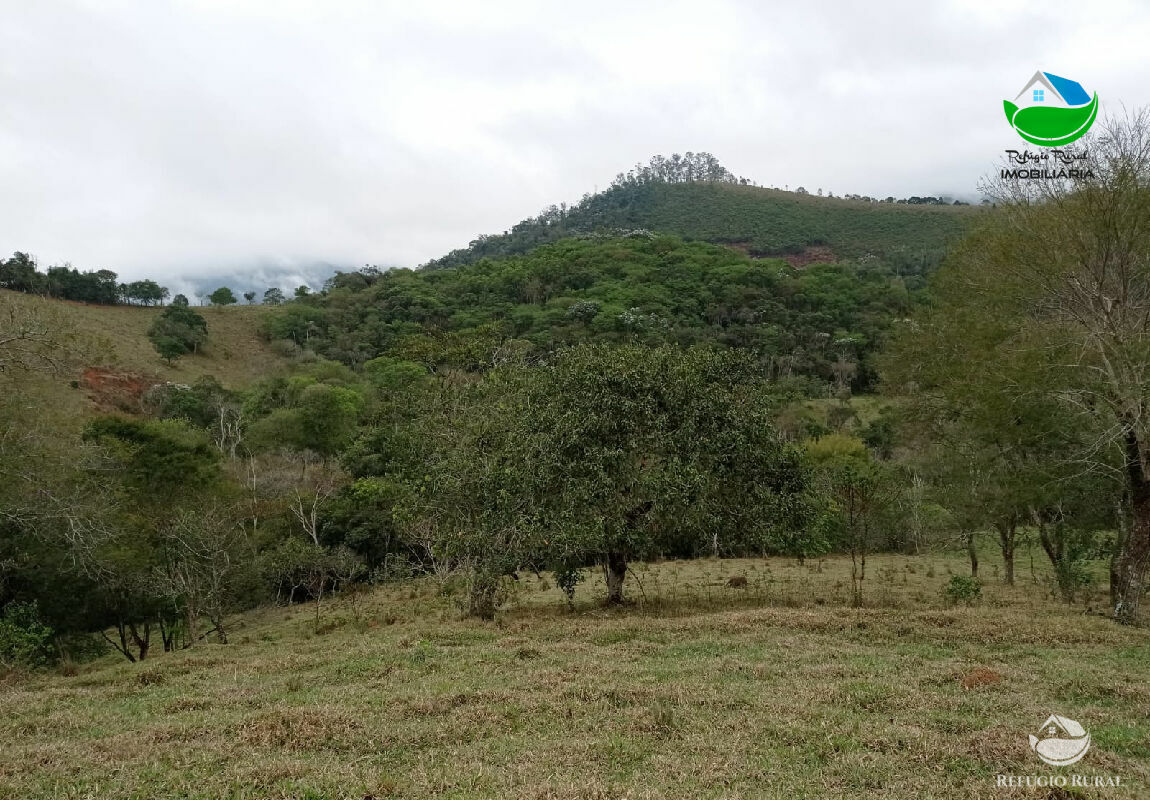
x,y
25,641
963,589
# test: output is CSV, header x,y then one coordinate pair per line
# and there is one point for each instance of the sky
x,y
270,142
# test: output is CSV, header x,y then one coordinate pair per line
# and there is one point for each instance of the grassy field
x,y
235,353
695,690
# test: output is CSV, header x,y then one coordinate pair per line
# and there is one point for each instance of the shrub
x,y
25,641
963,589
567,578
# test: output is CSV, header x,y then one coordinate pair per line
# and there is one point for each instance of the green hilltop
x,y
762,222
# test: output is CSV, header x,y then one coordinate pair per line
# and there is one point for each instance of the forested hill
x,y
762,222
679,250
821,322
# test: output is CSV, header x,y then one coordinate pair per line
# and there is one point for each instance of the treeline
x,y
1025,377
819,325
678,169
20,274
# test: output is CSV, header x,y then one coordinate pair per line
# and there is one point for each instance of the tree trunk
x,y
221,634
122,630
1054,545
1006,533
1122,526
972,551
190,622
142,641
168,634
616,573
1134,559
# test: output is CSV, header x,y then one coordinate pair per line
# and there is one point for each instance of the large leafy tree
x,y
311,416
640,451
222,297
610,454
178,331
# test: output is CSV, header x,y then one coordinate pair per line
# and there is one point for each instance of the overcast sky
x,y
179,139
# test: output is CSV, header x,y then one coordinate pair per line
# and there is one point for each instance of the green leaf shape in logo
x,y
1051,127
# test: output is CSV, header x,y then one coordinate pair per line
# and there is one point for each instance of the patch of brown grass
x,y
980,676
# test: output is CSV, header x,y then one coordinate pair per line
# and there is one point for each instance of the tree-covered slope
x,y
761,221
822,321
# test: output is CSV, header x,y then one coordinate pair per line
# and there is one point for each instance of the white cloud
x,y
210,138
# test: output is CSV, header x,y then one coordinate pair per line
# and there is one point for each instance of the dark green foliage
x,y
169,347
297,322
20,274
273,297
156,459
360,517
642,288
879,434
305,414
146,292
660,451
606,452
198,404
25,641
963,589
393,375
180,301
178,331
222,297
568,579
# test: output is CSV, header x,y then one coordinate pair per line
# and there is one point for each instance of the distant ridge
x,y
761,222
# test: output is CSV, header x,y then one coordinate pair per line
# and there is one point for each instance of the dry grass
x,y
776,689
235,353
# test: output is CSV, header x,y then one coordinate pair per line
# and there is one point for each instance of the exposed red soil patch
x,y
111,390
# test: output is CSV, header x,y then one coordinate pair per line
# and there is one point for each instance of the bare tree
x,y
204,548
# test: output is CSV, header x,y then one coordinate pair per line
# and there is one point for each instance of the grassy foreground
x,y
697,690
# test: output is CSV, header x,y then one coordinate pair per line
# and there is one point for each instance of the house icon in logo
x,y
1047,89
1051,111
1061,741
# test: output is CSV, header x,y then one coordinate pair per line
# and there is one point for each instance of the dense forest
x,y
822,322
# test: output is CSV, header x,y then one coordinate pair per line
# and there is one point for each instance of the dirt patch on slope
x,y
112,390
815,254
